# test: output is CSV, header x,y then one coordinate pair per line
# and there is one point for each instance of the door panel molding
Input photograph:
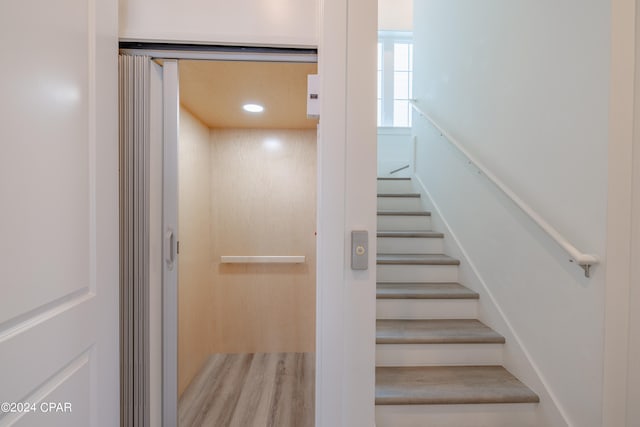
x,y
30,319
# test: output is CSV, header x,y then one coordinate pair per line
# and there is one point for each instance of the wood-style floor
x,y
251,390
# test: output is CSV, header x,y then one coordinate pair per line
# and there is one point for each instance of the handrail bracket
x,y
587,269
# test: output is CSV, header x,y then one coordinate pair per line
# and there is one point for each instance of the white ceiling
x,y
215,92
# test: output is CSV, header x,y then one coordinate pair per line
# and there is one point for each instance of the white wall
x,y
243,22
395,150
525,86
395,15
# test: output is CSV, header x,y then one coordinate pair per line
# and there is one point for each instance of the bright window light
x,y
253,108
395,78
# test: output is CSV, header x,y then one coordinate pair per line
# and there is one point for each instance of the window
x,y
395,72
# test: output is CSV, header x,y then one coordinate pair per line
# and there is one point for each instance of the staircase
x,y
436,364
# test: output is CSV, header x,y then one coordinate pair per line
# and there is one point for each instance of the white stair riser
x,y
399,203
486,415
395,186
426,308
438,354
410,245
417,273
404,223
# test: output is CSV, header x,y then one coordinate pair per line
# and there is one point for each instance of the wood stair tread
x,y
416,259
411,234
392,290
410,195
438,385
403,213
435,331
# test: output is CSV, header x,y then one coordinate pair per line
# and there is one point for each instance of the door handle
x,y
169,245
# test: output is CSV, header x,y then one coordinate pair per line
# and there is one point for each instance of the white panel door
x,y
58,213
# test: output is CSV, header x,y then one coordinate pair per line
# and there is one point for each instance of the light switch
x,y
359,250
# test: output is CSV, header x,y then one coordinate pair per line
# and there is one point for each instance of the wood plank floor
x,y
251,390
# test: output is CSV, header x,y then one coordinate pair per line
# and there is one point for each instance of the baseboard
x,y
478,284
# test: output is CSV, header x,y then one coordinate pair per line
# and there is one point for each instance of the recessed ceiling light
x,y
253,108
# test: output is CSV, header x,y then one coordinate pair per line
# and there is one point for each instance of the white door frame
x,y
621,387
345,331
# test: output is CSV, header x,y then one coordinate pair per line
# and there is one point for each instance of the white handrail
x,y
583,260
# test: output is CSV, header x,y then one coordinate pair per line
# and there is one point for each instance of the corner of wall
x,y
193,207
